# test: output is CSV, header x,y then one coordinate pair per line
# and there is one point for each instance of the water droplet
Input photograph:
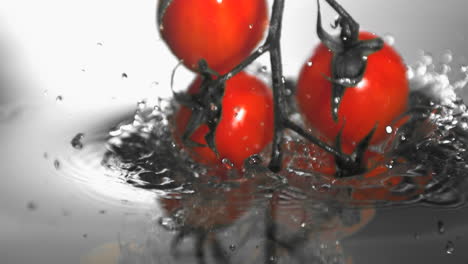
x,y
309,63
426,58
141,105
167,223
219,1
45,155
421,70
464,68
227,163
303,225
264,68
440,227
283,79
124,76
76,141
445,69
102,211
46,92
417,236
57,164
99,44
59,99
260,49
409,73
232,247
213,107
389,39
154,85
287,92
85,235
388,129
31,206
250,26
254,160
449,247
446,57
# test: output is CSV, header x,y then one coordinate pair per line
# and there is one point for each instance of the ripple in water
x,y
424,161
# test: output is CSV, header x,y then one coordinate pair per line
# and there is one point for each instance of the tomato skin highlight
x,y
380,98
246,124
221,32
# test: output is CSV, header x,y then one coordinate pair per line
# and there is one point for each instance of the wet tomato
x,y
221,32
246,124
378,99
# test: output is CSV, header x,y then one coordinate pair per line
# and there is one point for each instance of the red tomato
x,y
246,124
380,97
223,32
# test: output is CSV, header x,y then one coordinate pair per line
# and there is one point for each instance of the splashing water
x,y
423,162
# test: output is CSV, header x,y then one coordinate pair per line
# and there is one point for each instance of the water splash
x,y
422,162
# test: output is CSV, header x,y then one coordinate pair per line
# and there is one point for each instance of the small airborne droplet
x,y
76,141
31,206
167,223
450,247
154,84
309,63
426,58
59,99
440,227
447,57
232,247
57,164
124,76
464,68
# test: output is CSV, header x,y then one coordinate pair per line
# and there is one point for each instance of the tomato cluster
x,y
353,86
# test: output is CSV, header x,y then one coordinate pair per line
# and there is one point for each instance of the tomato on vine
x,y
245,126
377,100
221,32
